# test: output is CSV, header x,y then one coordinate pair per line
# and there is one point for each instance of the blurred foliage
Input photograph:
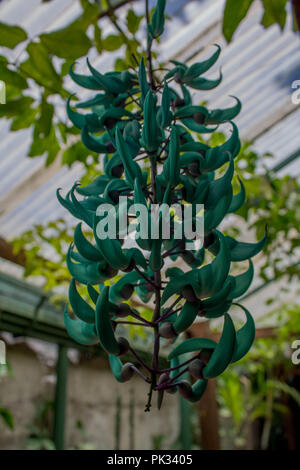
x,y
36,73
272,202
257,386
6,416
40,430
56,236
275,12
36,82
84,443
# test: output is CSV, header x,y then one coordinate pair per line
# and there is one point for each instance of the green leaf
x,y
65,67
11,77
52,147
45,121
74,153
132,48
120,65
7,417
11,35
231,393
63,131
275,12
68,43
113,42
285,388
44,145
90,14
133,21
15,107
24,120
234,13
12,92
39,67
98,38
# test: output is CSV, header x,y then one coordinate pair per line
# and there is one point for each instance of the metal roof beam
x,y
286,161
263,127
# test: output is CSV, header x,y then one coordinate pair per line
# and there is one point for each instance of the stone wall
x,y
92,396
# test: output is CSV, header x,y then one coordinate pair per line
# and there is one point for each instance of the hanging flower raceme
x,y
137,121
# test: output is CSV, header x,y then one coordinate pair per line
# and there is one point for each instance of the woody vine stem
x,y
157,274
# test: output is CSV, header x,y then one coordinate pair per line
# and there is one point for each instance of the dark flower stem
x,y
146,379
180,365
167,385
140,360
147,279
169,252
138,317
178,375
149,45
170,382
131,323
166,314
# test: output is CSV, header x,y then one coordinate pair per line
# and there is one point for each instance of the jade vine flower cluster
x,y
139,120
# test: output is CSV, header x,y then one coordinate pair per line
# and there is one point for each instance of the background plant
x,y
41,64
274,12
260,385
40,430
6,414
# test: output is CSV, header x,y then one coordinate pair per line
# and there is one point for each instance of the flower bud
x,y
185,389
110,147
164,377
123,310
199,118
127,371
205,355
194,168
110,272
166,330
124,345
195,369
129,267
127,291
189,294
